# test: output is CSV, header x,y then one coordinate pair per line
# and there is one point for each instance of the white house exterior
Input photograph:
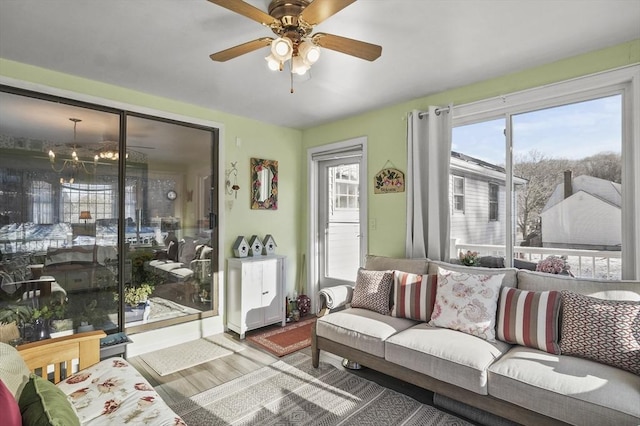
x,y
585,215
478,213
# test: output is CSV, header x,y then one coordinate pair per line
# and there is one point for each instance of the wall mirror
x,y
264,184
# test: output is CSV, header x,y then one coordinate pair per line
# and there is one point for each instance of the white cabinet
x,y
255,292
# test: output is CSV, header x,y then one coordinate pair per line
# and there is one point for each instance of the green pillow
x,y
43,404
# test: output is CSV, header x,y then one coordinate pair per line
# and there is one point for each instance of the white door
x,y
339,224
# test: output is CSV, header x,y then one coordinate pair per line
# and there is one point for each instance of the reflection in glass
x,y
60,203
54,192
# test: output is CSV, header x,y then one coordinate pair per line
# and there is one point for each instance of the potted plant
x,y
470,258
136,299
61,324
42,322
13,319
135,295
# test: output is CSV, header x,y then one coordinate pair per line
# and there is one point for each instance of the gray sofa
x,y
518,383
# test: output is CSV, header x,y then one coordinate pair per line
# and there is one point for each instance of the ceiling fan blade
x,y
357,48
241,49
245,9
319,10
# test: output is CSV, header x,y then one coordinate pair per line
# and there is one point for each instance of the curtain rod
x,y
438,111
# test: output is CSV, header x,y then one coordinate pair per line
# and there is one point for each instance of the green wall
x,y
386,133
385,129
257,139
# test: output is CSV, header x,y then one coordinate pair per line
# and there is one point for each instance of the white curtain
x,y
427,183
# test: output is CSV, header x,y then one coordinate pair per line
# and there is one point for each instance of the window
x,y
95,198
561,152
42,202
346,187
458,194
493,201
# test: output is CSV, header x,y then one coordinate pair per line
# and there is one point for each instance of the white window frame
x,y
457,194
624,81
496,202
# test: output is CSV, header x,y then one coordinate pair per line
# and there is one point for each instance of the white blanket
x,y
337,296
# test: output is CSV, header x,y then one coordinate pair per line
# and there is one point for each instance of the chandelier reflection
x,y
72,167
110,152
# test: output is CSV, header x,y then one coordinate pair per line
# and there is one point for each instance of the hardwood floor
x,y
191,381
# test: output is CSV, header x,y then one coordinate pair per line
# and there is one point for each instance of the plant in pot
x,y
136,295
90,317
13,321
61,323
42,322
136,299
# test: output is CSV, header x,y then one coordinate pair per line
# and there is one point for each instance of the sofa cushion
x,y
361,329
383,263
607,331
467,302
453,357
13,370
509,279
529,318
602,289
574,390
413,295
42,404
372,290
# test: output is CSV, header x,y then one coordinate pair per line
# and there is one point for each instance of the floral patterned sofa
x,y
108,392
531,347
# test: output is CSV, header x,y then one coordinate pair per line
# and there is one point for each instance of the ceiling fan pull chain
x,y
291,76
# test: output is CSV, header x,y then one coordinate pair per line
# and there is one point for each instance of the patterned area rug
x,y
292,392
285,340
178,357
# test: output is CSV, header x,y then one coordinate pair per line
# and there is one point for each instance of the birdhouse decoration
x,y
240,247
269,245
255,246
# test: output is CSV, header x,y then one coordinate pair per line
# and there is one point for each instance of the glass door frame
x,y
123,110
314,156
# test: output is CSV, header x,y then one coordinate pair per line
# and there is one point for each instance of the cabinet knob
x,y
265,292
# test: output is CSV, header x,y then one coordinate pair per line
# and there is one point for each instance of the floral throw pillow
x,y
467,303
372,291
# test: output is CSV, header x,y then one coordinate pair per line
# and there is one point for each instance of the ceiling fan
x,y
293,22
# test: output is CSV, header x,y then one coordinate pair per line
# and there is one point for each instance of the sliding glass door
x,y
107,218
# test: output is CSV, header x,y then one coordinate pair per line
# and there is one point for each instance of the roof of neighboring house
x,y
475,165
605,190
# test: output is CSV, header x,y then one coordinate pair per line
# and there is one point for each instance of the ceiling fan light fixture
x,y
273,63
282,48
298,65
309,52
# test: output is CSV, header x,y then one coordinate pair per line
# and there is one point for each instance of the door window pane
x,y
342,246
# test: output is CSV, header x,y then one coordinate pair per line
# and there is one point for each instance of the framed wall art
x,y
264,184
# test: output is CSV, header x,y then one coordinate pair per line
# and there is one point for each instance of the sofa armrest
x,y
334,297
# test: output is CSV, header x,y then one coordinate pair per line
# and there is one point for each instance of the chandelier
x,y
71,167
110,152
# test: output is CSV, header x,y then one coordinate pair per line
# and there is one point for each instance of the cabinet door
x,y
252,279
271,295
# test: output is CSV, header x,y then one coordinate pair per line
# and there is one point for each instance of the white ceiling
x,y
162,47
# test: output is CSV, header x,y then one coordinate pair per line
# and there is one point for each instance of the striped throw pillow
x,y
529,318
414,295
